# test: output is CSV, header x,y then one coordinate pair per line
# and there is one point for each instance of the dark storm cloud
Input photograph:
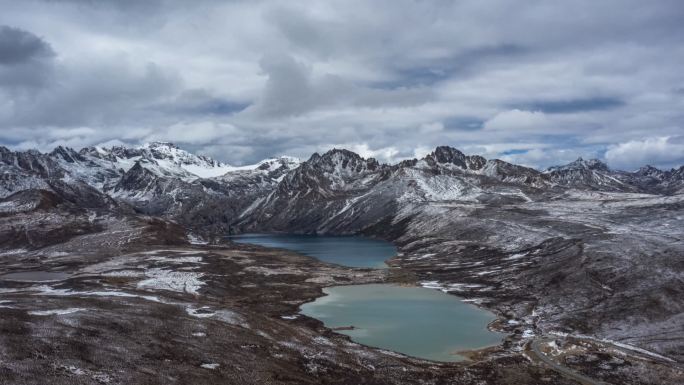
x,y
18,46
26,62
530,81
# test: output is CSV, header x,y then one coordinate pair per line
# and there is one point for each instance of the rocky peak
x,y
5,154
590,174
406,163
166,150
445,155
678,173
96,152
121,152
335,170
342,161
581,164
67,154
137,178
31,161
169,152
475,162
513,173
335,153
651,171
161,145
283,162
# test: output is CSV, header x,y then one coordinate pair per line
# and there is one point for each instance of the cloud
x,y
200,102
293,88
596,103
518,121
386,154
288,90
194,132
25,60
98,94
18,46
548,156
244,80
662,152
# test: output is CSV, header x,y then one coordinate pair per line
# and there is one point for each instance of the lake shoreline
x,y
425,337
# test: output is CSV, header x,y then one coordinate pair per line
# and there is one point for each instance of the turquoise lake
x,y
415,321
351,251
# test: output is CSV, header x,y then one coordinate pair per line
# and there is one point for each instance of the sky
x,y
534,82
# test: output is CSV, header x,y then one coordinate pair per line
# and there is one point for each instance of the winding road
x,y
567,372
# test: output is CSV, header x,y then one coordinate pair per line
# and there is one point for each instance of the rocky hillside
x,y
338,191
572,249
341,192
155,179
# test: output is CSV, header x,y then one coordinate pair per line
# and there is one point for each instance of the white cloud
x,y
194,132
431,128
662,151
517,121
541,158
384,154
248,80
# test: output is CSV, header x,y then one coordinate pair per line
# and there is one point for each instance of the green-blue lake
x,y
415,321
351,251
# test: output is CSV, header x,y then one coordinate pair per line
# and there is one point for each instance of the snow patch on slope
x,y
161,279
56,311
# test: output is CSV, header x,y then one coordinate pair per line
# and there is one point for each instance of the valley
x,y
581,265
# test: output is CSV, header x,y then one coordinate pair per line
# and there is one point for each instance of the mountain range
x,y
571,249
161,179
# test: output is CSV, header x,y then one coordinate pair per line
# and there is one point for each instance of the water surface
x,y
415,321
35,276
353,251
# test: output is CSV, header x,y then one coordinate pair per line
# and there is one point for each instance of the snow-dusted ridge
x,y
100,166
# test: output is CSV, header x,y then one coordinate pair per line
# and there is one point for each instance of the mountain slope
x,y
552,244
539,247
334,188
330,191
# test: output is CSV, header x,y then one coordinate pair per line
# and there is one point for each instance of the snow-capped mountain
x,y
167,181
652,179
593,174
329,190
547,243
155,178
160,172
32,170
339,189
24,171
272,169
445,155
588,174
581,164
160,158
